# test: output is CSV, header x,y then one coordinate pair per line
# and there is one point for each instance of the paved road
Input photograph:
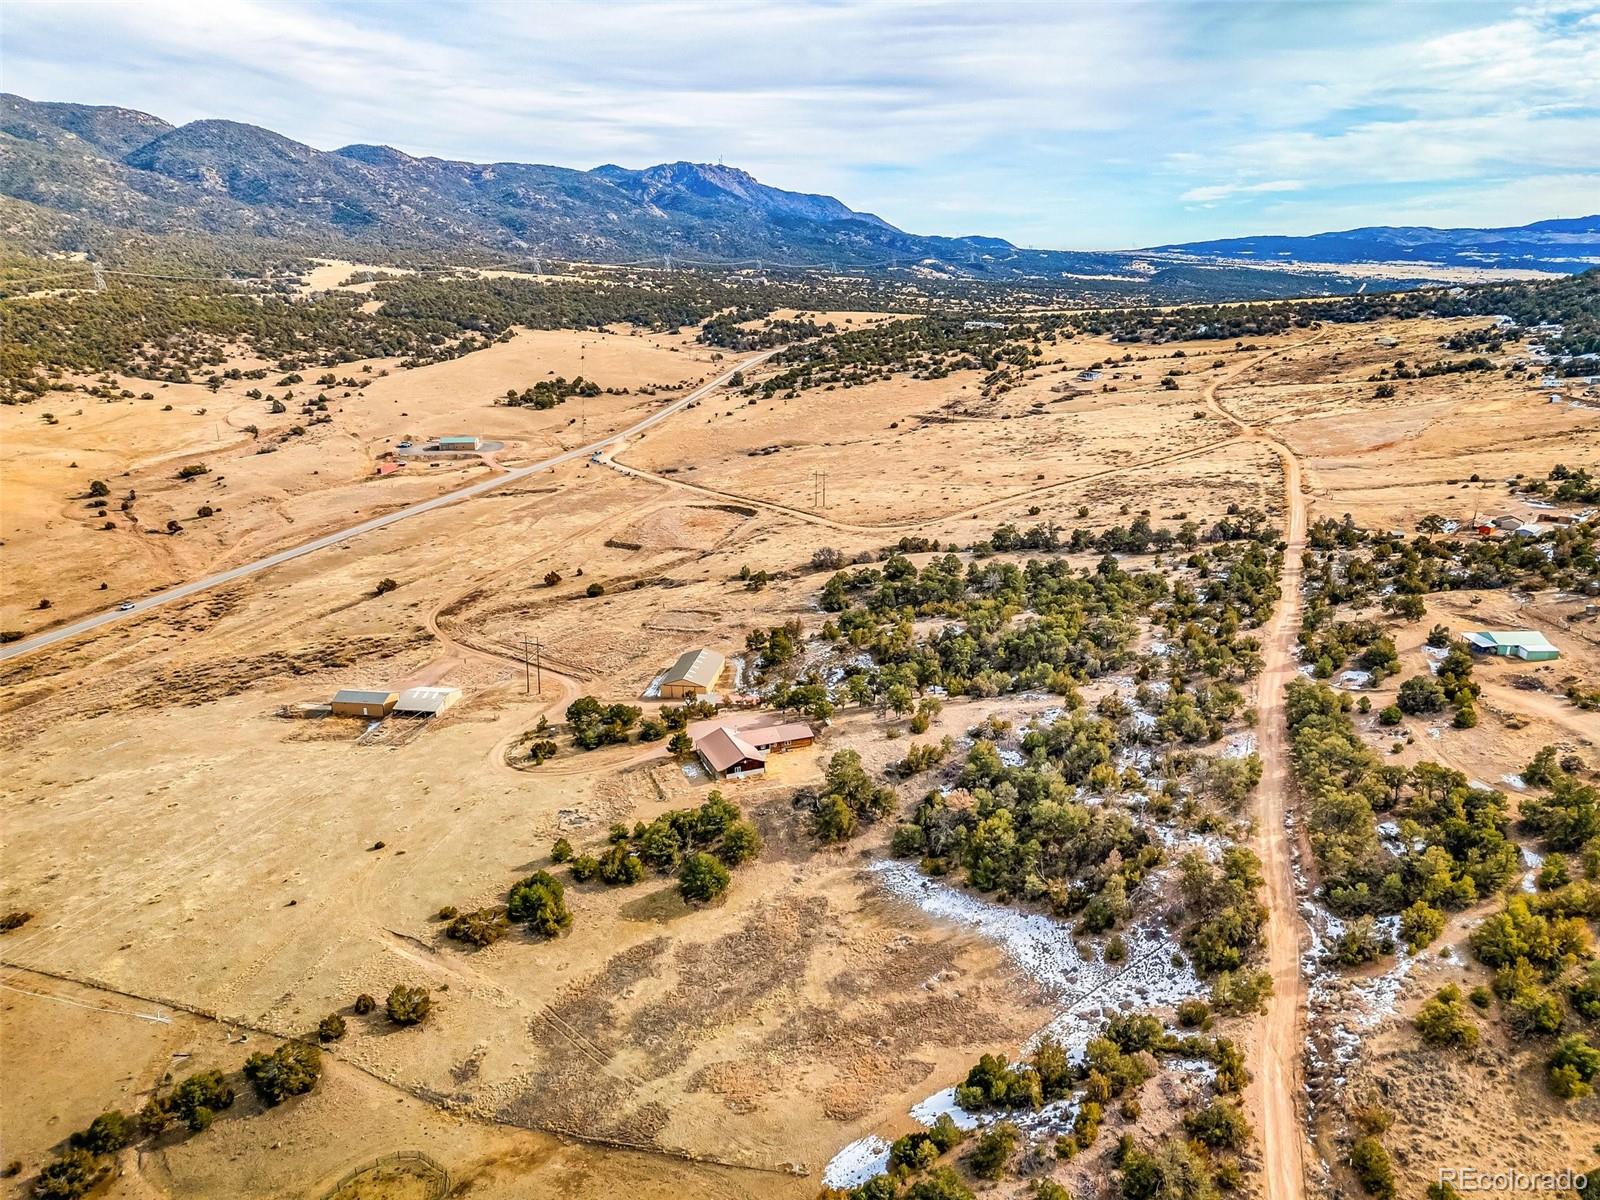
x,y
88,624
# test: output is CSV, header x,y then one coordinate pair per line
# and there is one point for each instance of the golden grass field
x,y
191,855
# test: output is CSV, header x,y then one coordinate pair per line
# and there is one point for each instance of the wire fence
x,y
435,1178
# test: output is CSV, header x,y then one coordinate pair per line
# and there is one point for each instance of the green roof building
x,y
1527,644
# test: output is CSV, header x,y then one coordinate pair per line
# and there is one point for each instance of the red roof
x,y
776,735
724,750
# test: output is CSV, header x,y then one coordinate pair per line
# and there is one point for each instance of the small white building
x,y
426,701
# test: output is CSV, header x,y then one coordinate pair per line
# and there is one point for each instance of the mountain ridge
x,y
132,170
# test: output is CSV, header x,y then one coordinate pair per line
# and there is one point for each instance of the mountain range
x,y
68,166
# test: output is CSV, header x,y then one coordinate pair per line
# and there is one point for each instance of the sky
x,y
1053,124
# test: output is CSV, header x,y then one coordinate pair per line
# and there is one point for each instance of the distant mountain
x,y
1567,244
69,170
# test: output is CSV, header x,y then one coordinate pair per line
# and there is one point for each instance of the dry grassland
x,y
186,850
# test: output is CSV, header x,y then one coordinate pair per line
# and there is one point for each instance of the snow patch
x,y
943,1104
857,1162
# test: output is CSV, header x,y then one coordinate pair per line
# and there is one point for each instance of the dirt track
x,y
1277,1059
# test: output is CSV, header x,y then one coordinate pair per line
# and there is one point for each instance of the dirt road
x,y
87,624
1277,1057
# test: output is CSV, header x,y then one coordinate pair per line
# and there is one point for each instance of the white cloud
x,y
1221,191
1052,124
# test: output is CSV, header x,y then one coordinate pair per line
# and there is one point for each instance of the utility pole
x,y
538,664
524,664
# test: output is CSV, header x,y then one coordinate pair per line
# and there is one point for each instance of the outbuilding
x,y
426,701
460,442
363,702
697,673
1527,644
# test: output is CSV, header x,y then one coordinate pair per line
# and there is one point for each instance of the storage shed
x,y
696,673
1527,644
460,442
427,701
363,702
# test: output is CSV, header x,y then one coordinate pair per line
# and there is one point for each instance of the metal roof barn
x,y
695,673
362,702
427,701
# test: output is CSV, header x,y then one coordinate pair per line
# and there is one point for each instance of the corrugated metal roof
x,y
1528,639
700,667
361,696
427,699
724,749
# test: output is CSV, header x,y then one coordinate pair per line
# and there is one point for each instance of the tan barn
x,y
696,674
361,702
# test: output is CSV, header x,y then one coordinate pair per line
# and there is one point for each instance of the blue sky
x,y
1052,124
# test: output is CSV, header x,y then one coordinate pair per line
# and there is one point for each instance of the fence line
x,y
439,1181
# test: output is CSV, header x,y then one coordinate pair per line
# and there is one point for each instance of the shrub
x,y
562,851
482,927
939,1184
620,866
740,843
1193,1013
1370,1162
364,1004
1519,932
994,1083
290,1070
1236,993
1420,695
198,1099
1443,1020
330,1028
702,878
107,1133
993,1149
1420,924
1573,1067
1390,715
595,589
193,470
1171,1170
539,901
384,586
920,1149
15,919
1219,1125
72,1174
408,1005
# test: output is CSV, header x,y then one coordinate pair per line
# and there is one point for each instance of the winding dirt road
x,y
1277,1056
